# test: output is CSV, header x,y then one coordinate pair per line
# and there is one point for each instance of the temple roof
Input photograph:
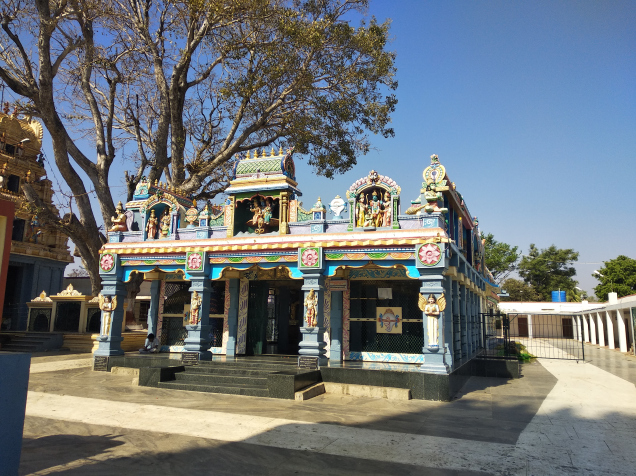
x,y
265,172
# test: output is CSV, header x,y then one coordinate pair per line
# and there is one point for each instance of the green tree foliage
x,y
548,270
519,291
619,276
501,258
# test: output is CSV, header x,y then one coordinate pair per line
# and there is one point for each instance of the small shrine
x,y
260,274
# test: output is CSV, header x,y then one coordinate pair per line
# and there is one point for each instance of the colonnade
x,y
605,328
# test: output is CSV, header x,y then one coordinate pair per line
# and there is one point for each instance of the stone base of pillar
x,y
313,343
197,341
435,362
109,346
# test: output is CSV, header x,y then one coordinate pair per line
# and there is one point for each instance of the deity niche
x,y
262,213
373,208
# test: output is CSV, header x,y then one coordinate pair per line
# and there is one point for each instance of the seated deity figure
x,y
258,218
119,221
165,223
151,227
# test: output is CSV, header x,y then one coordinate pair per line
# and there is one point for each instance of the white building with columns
x,y
611,324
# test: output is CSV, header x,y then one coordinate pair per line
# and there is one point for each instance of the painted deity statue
x,y
386,211
311,303
165,223
107,306
376,215
151,227
119,221
361,210
195,307
258,218
267,211
3,141
432,308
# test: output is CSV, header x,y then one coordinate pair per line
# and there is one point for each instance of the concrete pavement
x,y
559,418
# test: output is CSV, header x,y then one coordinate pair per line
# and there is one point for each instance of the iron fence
x,y
548,336
495,341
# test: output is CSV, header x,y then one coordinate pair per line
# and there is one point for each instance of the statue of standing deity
x,y
386,210
361,211
195,307
151,227
376,214
311,303
107,307
432,308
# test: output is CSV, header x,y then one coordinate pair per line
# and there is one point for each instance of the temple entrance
x,y
274,317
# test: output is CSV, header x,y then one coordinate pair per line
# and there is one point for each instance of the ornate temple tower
x,y
38,254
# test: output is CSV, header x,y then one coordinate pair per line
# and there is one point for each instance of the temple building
x,y
260,274
38,254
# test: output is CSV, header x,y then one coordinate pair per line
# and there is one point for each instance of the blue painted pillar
x,y
469,322
232,317
313,343
114,289
447,330
463,303
456,344
431,261
335,350
311,264
198,269
153,309
14,384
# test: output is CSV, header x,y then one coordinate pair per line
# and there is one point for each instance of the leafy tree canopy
x,y
190,85
618,275
549,270
501,258
519,291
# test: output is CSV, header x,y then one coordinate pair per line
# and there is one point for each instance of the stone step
x,y
248,365
12,347
207,379
230,389
199,369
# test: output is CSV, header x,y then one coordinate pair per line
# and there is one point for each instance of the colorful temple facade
x,y
38,254
263,275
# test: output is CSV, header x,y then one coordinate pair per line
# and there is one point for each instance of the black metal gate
x,y
523,336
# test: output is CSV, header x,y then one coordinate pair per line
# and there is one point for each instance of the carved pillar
x,y
311,264
114,289
198,340
431,263
313,343
283,227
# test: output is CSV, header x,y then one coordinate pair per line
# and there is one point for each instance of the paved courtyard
x,y
561,417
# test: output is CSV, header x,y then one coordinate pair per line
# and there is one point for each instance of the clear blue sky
x,y
531,106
